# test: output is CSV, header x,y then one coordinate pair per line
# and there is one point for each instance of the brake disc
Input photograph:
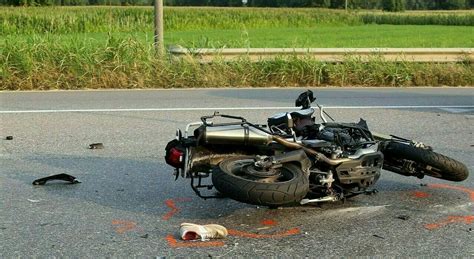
x,y
265,174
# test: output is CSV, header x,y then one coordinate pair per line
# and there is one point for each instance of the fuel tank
x,y
236,134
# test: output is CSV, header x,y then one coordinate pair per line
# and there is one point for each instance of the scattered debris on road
x,y
377,236
96,146
144,236
9,138
63,177
403,217
33,201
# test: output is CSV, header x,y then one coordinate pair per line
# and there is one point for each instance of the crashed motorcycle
x,y
294,159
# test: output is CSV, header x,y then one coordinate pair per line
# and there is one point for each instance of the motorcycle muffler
x,y
236,134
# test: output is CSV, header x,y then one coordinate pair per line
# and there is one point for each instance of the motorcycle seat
x,y
280,118
302,113
295,114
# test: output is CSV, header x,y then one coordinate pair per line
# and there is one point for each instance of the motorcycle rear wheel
x,y
290,186
432,163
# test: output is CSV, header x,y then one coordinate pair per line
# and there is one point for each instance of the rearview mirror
x,y
305,99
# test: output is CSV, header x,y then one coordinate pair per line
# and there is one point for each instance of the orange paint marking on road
x,y
269,222
170,203
450,220
290,232
458,188
122,226
172,242
418,194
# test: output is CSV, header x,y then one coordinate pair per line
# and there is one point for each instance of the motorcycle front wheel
x,y
238,179
427,162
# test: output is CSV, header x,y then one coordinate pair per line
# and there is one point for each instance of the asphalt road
x,y
128,203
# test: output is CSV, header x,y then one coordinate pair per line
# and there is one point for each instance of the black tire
x,y
229,178
429,162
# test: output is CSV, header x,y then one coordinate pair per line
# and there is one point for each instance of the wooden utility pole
x,y
158,37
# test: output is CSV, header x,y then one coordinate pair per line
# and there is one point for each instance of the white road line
x,y
236,108
456,110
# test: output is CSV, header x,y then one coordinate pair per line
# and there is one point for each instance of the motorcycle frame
x,y
243,122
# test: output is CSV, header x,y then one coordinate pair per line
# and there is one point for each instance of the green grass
x,y
102,47
243,27
55,63
140,19
363,36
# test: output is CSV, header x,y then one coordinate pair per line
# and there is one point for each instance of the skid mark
x,y
458,188
172,242
268,222
421,195
450,220
122,226
238,233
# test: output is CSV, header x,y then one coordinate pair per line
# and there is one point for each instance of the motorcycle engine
x,y
365,166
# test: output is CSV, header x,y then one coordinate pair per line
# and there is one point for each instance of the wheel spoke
x,y
240,168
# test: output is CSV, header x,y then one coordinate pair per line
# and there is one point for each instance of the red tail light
x,y
175,158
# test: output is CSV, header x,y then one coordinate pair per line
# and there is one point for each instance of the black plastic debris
x,y
9,138
63,177
144,236
403,217
96,146
377,236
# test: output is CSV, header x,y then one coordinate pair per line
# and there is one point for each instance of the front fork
x,y
387,138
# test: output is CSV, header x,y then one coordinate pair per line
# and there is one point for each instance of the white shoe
x,y
190,231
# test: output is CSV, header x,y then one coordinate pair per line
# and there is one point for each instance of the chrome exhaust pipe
x,y
319,156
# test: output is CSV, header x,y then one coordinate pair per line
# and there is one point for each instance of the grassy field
x,y
140,19
360,36
102,47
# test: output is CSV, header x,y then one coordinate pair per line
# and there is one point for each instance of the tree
x,y
364,4
388,5
455,4
393,5
399,5
321,3
416,5
338,3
